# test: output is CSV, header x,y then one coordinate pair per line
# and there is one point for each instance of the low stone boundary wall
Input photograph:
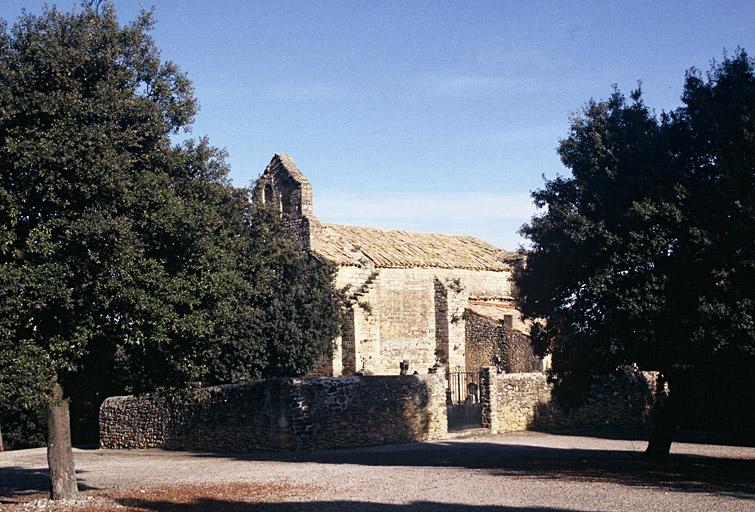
x,y
523,401
282,414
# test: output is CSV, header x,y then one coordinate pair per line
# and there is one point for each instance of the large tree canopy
x,y
646,253
127,261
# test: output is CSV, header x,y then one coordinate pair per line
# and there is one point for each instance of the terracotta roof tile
x,y
352,245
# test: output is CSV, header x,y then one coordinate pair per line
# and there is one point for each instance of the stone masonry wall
x,y
282,414
366,317
404,301
411,314
458,297
486,337
523,401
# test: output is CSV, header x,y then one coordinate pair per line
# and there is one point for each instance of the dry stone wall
x,y
523,401
486,338
282,414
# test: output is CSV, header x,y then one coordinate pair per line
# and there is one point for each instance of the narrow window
x,y
508,321
287,205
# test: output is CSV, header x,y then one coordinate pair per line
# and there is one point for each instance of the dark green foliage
x,y
23,427
646,254
591,274
275,313
128,263
297,312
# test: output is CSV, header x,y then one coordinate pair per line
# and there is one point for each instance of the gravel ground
x,y
506,473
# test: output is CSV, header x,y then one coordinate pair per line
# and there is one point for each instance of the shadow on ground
x,y
17,481
680,472
213,505
732,477
643,434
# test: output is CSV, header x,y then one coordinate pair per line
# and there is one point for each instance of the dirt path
x,y
512,473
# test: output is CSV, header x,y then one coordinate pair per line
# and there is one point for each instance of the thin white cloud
x,y
465,85
461,85
548,134
484,207
506,83
493,217
306,91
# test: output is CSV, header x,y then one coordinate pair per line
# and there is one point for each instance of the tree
x,y
645,254
126,261
280,314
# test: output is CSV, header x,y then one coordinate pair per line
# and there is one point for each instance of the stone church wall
x,y
351,277
523,401
411,314
282,414
480,284
404,302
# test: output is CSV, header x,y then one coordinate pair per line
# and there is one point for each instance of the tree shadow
x,y
16,482
733,477
218,505
642,434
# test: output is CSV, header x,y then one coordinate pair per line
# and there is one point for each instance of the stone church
x,y
419,298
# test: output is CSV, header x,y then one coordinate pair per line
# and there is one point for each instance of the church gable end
x,y
283,187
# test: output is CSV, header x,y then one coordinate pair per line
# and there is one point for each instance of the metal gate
x,y
463,400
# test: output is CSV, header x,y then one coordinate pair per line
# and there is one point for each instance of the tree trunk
x,y
59,453
2,448
660,441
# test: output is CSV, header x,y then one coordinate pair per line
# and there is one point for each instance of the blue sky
x,y
432,116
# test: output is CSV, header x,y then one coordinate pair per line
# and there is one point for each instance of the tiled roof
x,y
352,245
